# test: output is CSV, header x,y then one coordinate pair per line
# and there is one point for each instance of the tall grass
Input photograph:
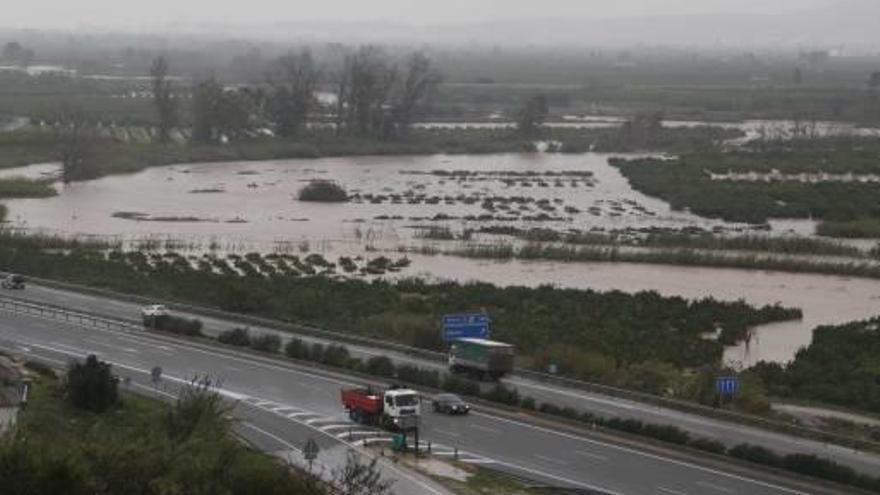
x,y
19,187
682,257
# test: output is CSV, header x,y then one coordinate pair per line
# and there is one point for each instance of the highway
x,y
285,404
604,405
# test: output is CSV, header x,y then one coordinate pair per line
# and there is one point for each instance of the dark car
x,y
450,404
13,282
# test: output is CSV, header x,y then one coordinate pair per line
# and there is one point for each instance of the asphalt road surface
x,y
286,404
604,405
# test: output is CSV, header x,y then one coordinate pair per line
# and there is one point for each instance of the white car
x,y
154,310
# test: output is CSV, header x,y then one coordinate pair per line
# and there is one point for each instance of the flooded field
x,y
253,206
256,203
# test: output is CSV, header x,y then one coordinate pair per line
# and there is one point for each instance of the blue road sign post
x,y
465,326
726,386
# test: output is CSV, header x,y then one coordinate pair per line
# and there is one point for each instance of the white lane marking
x,y
273,437
648,455
591,455
576,395
251,361
299,414
712,486
670,491
551,459
478,461
364,433
243,398
264,403
312,387
485,428
557,478
283,409
335,427
444,432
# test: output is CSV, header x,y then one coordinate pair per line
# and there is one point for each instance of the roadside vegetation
x,y
644,341
81,436
839,367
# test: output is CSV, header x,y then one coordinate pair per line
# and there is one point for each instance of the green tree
x,y
91,385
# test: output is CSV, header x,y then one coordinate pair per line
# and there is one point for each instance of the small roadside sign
x,y
465,325
310,451
727,385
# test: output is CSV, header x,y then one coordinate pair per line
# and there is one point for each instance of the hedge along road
x,y
289,398
603,405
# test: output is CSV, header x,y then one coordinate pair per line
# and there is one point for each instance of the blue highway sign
x,y
727,385
465,326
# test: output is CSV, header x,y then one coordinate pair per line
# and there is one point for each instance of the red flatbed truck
x,y
396,409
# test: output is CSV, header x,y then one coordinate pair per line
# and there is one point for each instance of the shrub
x,y
708,445
267,342
811,465
198,407
756,454
237,336
420,376
175,324
91,385
336,355
380,366
528,403
40,369
296,349
457,385
323,191
503,395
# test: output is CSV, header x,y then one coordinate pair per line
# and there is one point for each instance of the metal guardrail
x,y
61,314
591,387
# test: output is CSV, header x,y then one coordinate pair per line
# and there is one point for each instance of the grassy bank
x,y
139,446
109,156
702,241
679,257
17,187
839,367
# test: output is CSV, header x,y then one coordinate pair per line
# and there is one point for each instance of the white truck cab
x,y
403,407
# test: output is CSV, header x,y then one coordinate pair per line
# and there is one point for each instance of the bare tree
x,y
163,98
358,478
420,82
292,98
532,115
76,135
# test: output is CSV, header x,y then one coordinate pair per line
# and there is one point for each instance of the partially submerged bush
x,y
323,191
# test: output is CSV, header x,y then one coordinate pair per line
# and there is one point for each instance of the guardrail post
x,y
455,453
429,446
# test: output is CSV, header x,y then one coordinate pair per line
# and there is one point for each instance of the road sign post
x,y
310,452
726,386
465,326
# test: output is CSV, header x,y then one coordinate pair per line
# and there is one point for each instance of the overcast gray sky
x,y
70,13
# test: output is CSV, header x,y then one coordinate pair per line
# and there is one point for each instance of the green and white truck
x,y
480,358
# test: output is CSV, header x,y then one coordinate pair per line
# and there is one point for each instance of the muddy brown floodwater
x,y
253,206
